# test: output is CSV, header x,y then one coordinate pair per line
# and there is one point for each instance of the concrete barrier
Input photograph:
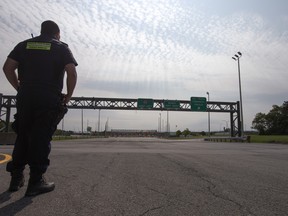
x,y
7,138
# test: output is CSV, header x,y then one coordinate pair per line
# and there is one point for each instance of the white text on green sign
x,y
145,103
171,104
198,104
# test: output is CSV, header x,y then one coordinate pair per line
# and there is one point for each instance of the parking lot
x,y
150,176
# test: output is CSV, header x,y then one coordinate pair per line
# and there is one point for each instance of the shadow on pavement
x,y
5,196
15,207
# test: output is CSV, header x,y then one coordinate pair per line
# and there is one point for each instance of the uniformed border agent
x,y
41,63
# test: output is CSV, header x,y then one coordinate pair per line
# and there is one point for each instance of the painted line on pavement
x,y
6,158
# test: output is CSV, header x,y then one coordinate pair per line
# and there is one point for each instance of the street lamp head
x,y
234,58
207,93
240,54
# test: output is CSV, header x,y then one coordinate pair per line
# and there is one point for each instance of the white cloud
x,y
165,49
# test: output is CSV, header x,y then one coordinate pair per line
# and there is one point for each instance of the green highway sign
x,y
171,104
198,104
145,103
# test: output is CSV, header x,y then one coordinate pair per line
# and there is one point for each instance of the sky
x,y
162,49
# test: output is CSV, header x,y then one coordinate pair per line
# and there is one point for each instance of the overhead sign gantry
x,y
195,104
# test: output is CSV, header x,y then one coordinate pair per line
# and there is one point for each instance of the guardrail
x,y
229,139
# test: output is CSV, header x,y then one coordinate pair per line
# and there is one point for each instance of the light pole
x,y
99,120
208,116
226,125
237,57
168,129
82,120
160,123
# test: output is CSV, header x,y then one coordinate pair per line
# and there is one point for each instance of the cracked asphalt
x,y
149,176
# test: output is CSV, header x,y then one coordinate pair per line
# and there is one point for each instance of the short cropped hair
x,y
49,27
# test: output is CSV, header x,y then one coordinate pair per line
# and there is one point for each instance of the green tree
x,y
260,123
273,119
178,133
283,121
186,132
203,133
275,122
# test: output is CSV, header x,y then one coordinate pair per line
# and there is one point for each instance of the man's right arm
x,y
70,81
9,69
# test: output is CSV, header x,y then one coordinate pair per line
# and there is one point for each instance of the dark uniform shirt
x,y
42,61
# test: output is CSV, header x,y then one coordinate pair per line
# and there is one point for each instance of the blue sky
x,y
163,49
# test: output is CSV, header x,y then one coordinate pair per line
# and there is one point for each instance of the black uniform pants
x,y
35,125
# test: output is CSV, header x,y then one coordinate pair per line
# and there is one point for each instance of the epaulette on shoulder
x,y
59,42
63,43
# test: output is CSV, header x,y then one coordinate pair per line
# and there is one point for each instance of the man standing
x,y
41,63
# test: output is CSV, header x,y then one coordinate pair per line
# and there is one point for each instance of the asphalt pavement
x,y
149,176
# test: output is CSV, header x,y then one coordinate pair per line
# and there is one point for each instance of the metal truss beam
x,y
8,102
131,104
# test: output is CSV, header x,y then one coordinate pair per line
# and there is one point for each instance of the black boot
x,y
17,181
38,185
17,177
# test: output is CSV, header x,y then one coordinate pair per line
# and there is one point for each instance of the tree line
x,y
273,123
187,132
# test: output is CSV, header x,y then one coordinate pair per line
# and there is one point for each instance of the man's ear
x,y
57,36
